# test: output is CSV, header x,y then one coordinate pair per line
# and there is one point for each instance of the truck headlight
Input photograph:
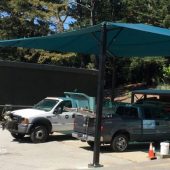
x,y
25,121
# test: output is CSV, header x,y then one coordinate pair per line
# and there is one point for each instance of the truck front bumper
x,y
14,127
83,137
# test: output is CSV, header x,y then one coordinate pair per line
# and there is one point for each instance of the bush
x,y
166,73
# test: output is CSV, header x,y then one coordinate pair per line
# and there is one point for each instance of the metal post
x,y
100,95
113,95
132,98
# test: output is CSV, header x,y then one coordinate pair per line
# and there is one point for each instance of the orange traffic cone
x,y
151,152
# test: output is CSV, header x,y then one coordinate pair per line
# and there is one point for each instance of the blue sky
x,y
68,21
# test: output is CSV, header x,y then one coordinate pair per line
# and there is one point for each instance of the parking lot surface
x,y
62,152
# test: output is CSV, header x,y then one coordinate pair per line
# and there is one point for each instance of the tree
x,y
151,11
30,18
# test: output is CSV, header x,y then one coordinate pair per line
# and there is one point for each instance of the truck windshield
x,y
46,104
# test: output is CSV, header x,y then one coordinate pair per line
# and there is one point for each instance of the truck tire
x,y
39,134
119,143
17,135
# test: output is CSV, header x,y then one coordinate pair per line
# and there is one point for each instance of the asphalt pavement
x,y
62,152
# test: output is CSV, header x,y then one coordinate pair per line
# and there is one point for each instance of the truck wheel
x,y
17,135
39,134
119,143
91,144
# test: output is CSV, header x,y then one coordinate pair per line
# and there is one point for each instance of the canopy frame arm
x,y
120,30
109,44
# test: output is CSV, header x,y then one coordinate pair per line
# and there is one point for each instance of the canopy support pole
x,y
100,95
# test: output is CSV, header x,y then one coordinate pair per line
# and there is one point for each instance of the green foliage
x,y
90,66
166,21
163,86
147,11
166,73
67,59
146,69
135,69
28,18
110,10
31,18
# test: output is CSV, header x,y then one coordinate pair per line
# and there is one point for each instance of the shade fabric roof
x,y
122,40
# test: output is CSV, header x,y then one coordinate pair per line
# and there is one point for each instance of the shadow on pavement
x,y
51,138
59,138
144,147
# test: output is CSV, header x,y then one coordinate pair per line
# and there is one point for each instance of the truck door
x,y
155,124
132,121
162,122
63,120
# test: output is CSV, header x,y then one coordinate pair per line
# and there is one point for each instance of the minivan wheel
x,y
119,143
39,134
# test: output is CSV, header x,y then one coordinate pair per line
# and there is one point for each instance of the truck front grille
x,y
16,118
12,125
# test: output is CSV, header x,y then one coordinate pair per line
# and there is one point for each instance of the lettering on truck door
x,y
149,125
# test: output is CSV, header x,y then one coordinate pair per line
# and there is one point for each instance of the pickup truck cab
x,y
47,116
125,123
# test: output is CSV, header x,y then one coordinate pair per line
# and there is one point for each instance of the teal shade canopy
x,y
152,92
123,40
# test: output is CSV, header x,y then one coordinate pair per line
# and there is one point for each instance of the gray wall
x,y
26,84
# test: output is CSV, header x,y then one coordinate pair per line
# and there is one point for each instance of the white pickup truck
x,y
48,116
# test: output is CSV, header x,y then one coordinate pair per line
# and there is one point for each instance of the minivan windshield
x,y
46,104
